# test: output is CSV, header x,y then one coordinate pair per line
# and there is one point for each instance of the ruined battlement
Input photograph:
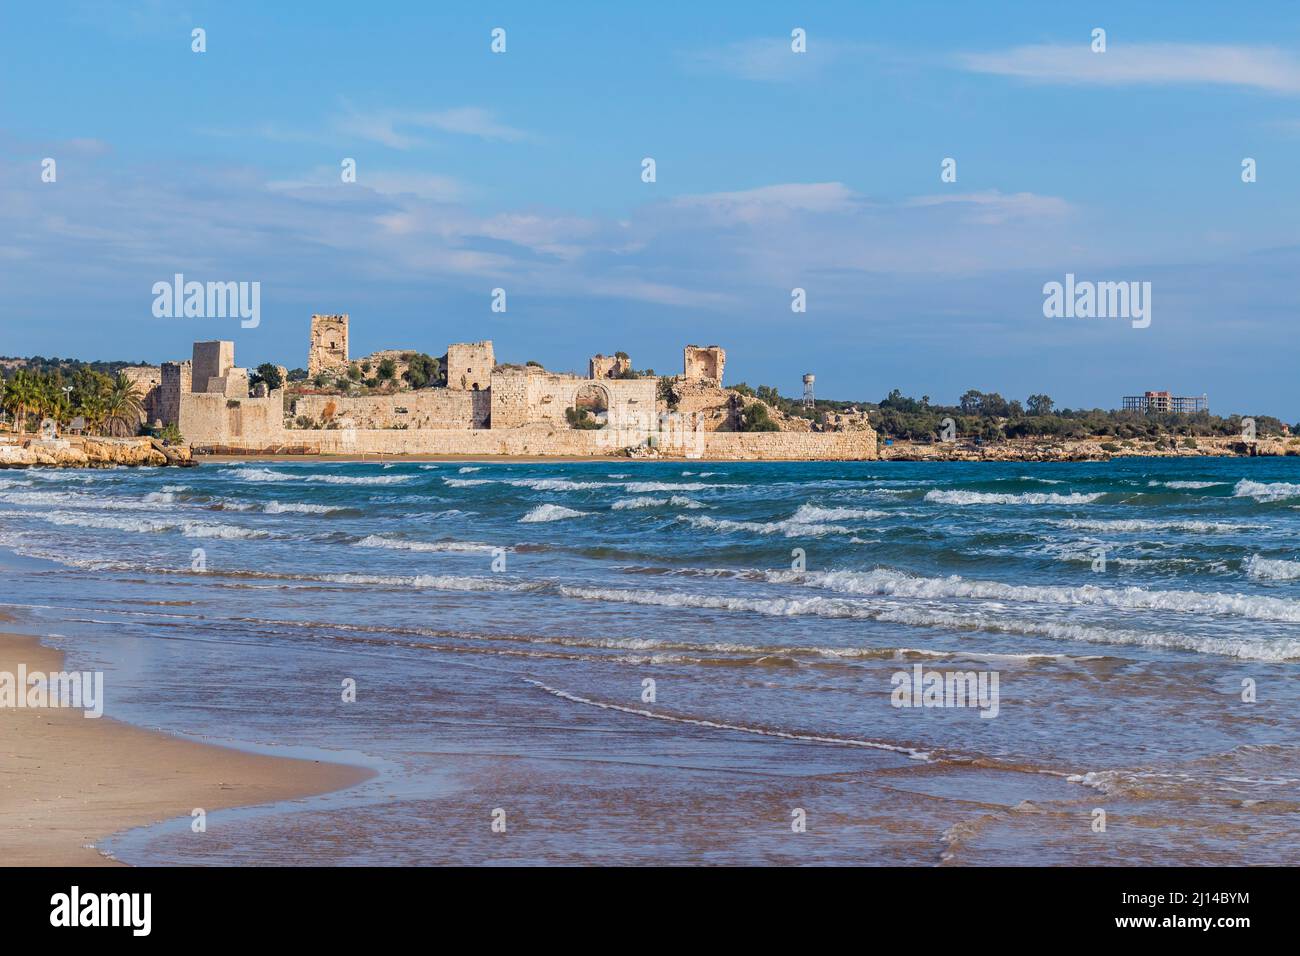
x,y
703,363
608,366
328,347
483,409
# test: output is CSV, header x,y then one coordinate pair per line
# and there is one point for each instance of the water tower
x,y
808,380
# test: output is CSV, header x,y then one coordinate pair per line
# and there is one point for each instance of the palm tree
x,y
89,389
20,395
122,407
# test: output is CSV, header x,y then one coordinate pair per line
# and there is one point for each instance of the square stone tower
x,y
469,366
211,360
703,363
329,342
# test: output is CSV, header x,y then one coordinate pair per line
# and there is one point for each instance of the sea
x,y
694,663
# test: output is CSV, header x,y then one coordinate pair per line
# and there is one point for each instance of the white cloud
x,y
398,129
992,207
767,59
765,202
1124,64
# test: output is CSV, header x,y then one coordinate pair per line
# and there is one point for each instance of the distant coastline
x,y
76,452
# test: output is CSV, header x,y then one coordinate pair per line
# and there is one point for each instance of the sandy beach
x,y
67,782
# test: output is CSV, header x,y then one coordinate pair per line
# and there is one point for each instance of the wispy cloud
x,y
767,59
992,207
325,182
1255,67
401,129
752,205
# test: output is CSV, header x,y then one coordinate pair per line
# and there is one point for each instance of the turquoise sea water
x,y
501,621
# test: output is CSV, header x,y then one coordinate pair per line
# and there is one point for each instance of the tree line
x,y
110,404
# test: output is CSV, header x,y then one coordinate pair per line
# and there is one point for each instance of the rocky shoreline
x,y
1092,449
85,452
82,452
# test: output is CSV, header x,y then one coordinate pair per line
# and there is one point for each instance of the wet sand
x,y
67,782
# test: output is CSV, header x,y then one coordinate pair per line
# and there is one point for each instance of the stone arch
x,y
592,398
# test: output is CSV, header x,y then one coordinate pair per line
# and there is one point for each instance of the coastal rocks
x,y
1098,449
82,452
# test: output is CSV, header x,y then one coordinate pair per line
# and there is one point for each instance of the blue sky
x,y
775,170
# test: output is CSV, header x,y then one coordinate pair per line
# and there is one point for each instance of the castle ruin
x,y
703,364
609,366
328,348
482,409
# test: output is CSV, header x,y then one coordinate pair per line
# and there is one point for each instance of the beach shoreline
x,y
67,782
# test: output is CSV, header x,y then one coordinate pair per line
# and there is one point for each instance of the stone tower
x,y
329,342
469,366
704,364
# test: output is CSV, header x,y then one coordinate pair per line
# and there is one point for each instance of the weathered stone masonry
x,y
484,410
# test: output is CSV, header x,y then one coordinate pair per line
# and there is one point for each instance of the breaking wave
x,y
549,512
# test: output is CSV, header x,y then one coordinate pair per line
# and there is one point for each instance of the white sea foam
x,y
401,544
1271,569
468,468
1143,524
993,621
677,501
998,498
644,487
267,474
439,582
883,581
298,507
549,512
360,479
467,482
258,474
789,527
740,728
77,499
147,525
1184,485
556,484
808,514
1265,491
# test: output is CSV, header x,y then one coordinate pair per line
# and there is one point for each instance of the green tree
x,y
1039,404
270,374
423,370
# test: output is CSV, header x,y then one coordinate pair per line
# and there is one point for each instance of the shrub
x,y
1189,443
1109,446
580,418
755,418
423,370
387,370
171,434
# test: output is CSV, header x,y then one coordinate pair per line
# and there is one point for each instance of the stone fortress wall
x,y
484,409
